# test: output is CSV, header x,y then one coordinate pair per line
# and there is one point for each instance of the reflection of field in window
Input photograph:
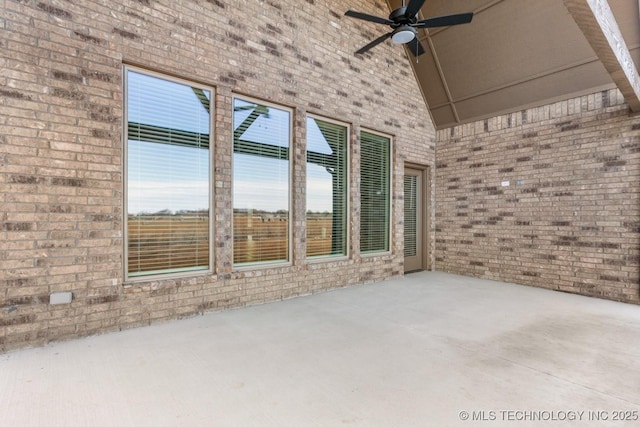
x,y
260,236
326,188
319,211
167,176
261,183
188,235
319,237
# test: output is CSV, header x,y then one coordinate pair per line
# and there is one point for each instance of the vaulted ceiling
x,y
517,54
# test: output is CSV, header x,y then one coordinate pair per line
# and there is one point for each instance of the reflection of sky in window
x,y
167,177
319,189
263,186
315,140
319,181
261,182
167,104
271,128
163,176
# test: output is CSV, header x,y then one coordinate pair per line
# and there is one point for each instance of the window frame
x,y
347,214
248,266
390,181
125,176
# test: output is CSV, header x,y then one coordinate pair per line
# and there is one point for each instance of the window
x,y
261,183
167,176
326,188
374,192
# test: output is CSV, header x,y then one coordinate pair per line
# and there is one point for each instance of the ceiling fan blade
x,y
444,21
413,8
374,43
367,17
415,47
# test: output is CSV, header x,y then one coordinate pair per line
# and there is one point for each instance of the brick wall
x,y
547,196
61,159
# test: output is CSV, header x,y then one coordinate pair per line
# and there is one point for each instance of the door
x,y
414,220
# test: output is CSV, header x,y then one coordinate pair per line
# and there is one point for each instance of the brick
x,y
568,204
62,165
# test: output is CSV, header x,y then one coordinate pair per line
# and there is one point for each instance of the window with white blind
x,y
261,183
375,197
326,188
168,133
411,213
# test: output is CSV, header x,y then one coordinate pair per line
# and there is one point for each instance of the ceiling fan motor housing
x,y
404,24
398,17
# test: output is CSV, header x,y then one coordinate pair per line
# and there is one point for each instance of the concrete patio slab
x,y
427,349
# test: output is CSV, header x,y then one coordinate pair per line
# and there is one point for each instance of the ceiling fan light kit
x,y
404,22
403,34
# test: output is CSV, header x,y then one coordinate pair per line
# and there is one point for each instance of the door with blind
x,y
415,219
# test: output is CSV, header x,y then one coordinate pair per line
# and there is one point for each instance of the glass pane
x,y
374,193
167,176
260,183
326,188
410,215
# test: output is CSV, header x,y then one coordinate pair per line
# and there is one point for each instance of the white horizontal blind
x,y
374,192
261,183
168,177
410,215
326,188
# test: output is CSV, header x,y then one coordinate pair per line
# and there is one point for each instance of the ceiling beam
x,y
596,21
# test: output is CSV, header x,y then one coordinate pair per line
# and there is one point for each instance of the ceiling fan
x,y
404,22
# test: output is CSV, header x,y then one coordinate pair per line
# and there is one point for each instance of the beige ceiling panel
x,y
429,78
635,54
515,54
433,8
599,26
438,8
561,85
444,115
508,43
627,13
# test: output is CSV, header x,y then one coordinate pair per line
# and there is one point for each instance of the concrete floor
x,y
428,349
